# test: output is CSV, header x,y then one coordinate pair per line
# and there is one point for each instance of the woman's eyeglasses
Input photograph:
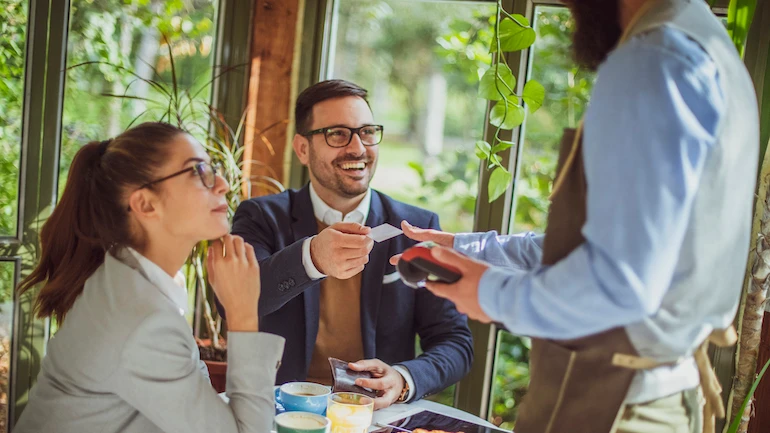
x,y
206,171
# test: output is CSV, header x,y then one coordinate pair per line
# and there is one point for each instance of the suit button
x,y
290,282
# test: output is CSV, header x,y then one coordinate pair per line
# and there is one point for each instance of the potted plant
x,y
224,145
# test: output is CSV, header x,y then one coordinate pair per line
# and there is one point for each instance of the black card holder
x,y
345,378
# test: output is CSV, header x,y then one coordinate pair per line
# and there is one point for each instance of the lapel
x,y
371,280
304,225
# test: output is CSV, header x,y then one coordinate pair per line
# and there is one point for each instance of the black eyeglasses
x,y
206,171
341,136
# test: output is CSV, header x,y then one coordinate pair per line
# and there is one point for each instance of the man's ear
x,y
301,146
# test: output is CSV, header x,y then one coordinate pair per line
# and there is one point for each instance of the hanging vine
x,y
513,32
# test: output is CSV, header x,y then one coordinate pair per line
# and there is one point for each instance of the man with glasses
x,y
326,286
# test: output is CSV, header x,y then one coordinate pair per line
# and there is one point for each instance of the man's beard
x,y
597,30
326,175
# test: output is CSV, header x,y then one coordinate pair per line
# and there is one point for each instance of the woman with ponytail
x,y
124,358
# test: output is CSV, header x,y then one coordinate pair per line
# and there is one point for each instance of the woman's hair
x,y
92,216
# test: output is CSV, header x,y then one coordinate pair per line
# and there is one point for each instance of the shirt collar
x,y
173,288
324,213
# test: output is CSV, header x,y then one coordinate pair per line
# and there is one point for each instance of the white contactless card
x,y
384,232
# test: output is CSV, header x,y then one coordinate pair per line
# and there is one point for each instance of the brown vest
x,y
574,386
580,385
339,325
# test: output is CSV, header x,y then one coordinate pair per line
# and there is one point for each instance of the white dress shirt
x,y
172,288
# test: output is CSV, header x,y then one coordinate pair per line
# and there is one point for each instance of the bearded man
x,y
326,286
643,257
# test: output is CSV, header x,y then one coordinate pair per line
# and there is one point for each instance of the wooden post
x,y
271,92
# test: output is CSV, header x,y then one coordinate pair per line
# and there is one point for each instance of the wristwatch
x,y
404,392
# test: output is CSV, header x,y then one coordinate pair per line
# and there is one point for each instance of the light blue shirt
x,y
649,129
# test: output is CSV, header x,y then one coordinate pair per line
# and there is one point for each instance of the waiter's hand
x,y
465,292
421,235
385,380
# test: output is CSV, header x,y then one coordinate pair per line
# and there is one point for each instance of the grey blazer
x,y
125,360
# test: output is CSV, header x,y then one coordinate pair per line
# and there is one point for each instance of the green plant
x,y
225,145
498,84
451,181
511,379
738,418
740,15
186,109
12,26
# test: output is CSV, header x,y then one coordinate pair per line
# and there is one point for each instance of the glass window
x,y
8,276
133,35
421,62
567,90
13,27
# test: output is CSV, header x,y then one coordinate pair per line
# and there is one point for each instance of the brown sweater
x,y
339,325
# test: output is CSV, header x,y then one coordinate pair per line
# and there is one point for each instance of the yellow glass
x,y
350,412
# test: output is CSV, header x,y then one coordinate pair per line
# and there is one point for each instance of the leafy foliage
x,y
511,378
568,88
125,44
13,21
452,181
735,425
740,15
512,33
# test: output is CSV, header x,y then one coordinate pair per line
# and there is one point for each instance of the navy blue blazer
x,y
391,314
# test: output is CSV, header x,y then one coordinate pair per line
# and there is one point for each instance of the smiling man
x,y
326,286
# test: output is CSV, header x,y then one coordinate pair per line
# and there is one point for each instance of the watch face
x,y
404,392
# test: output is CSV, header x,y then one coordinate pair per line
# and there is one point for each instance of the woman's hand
x,y
234,274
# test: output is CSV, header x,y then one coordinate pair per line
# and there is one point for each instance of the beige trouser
x,y
677,413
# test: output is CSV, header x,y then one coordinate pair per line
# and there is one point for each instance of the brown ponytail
x,y
92,217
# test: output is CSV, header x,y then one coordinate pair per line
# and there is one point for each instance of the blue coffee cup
x,y
304,397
